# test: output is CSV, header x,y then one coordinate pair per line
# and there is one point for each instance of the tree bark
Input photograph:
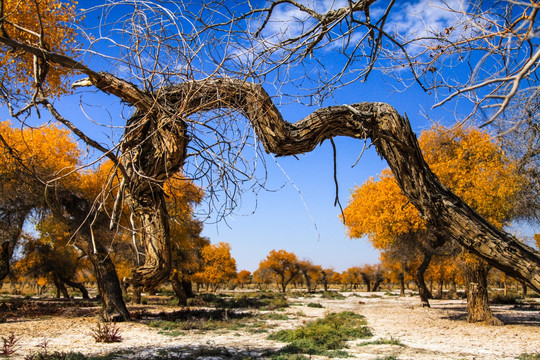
x,y
477,293
376,284
114,307
452,294
11,227
179,291
401,278
76,285
5,257
423,291
188,288
367,281
440,286
90,235
60,288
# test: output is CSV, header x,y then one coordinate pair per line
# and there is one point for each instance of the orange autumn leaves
x,y
42,23
218,265
467,160
48,153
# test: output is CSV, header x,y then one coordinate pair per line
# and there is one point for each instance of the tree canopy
x,y
468,161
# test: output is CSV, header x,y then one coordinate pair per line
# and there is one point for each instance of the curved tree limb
x,y
394,140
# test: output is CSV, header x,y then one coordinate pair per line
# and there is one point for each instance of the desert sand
x,y
439,332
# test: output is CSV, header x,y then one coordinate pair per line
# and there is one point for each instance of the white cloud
x,y
425,18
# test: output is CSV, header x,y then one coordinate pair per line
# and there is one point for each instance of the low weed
x,y
45,354
323,336
56,355
529,356
106,333
268,301
288,357
175,323
334,295
10,345
315,305
273,316
390,341
299,294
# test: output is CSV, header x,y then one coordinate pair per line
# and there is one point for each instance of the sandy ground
x,y
436,333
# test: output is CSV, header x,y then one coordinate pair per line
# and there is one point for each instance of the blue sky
x,y
309,224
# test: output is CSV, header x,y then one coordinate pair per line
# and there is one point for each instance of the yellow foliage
x,y
48,152
465,160
219,266
281,266
46,23
243,277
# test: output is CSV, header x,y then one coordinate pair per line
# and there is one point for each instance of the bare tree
x,y
193,76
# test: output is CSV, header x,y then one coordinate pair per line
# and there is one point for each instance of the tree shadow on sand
x,y
515,314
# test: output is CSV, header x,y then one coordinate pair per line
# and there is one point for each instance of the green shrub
x,y
529,356
273,316
390,341
333,295
277,303
322,336
315,305
56,355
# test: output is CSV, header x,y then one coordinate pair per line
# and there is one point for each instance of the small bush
x,y
56,355
390,341
281,356
315,305
273,316
299,294
196,301
44,354
173,323
277,303
333,295
323,336
529,356
106,333
10,345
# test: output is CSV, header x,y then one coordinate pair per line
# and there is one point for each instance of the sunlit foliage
x,y
47,23
218,265
465,160
282,266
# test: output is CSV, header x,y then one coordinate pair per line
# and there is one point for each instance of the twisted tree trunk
x,y
90,238
423,291
11,227
478,310
76,285
390,133
401,278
